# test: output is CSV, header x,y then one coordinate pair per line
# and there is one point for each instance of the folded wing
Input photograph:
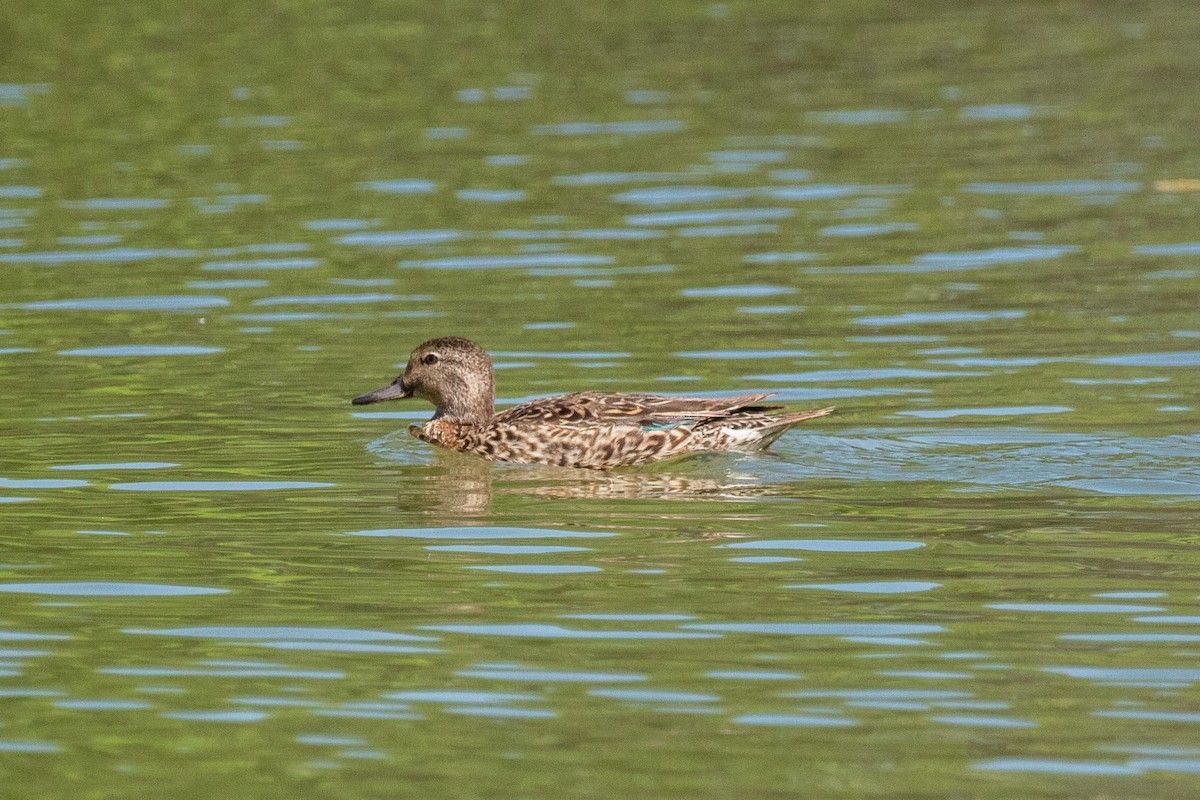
x,y
645,410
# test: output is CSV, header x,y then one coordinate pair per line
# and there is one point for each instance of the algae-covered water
x,y
972,229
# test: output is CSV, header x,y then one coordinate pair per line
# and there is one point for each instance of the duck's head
x,y
453,373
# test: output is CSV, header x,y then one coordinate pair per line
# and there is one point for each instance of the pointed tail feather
x,y
780,423
800,416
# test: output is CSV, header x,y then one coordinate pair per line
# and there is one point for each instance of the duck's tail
x,y
779,423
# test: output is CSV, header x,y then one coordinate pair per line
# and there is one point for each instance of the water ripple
x,y
399,238
286,632
140,350
796,720
217,486
826,545
541,631
503,262
482,533
551,676
819,628
108,589
870,587
148,303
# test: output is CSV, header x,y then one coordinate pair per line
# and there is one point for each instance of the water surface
x,y
973,230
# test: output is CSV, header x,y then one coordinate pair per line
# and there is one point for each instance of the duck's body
x,y
596,430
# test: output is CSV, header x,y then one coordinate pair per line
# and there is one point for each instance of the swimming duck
x,y
596,430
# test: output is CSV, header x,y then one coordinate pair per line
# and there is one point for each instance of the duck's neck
x,y
474,404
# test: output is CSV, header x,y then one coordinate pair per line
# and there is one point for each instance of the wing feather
x,y
651,410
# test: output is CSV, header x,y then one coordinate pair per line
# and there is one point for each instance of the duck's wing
x,y
645,410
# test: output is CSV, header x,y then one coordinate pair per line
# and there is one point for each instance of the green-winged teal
x,y
597,430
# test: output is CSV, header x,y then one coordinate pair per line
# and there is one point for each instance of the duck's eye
x,y
430,358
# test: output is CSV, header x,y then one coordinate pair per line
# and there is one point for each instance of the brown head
x,y
453,373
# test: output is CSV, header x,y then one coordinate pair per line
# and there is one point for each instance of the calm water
x,y
972,231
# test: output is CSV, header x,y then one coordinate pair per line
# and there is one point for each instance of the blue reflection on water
x,y
398,186
1183,358
939,317
139,350
248,283
864,116
1066,187
116,255
765,559
551,676
261,263
491,195
502,712
748,156
280,632
28,746
996,111
1155,716
40,483
463,696
536,569
20,192
779,258
1180,249
616,178
745,290
632,617
542,631
399,238
102,705
709,216
118,465
1166,638
108,589
180,302
826,545
678,195
1165,674
348,647
1136,486
796,720
506,549
117,203
819,628
504,262
870,587
323,299
727,230
1055,766
654,696
339,224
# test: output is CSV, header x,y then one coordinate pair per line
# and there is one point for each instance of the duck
x,y
587,430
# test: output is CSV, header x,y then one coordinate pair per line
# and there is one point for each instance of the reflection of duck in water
x,y
585,429
457,488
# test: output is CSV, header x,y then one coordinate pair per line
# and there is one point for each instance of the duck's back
x,y
643,410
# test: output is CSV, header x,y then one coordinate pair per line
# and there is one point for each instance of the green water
x,y
973,230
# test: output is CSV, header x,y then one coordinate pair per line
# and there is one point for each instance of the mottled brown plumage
x,y
597,430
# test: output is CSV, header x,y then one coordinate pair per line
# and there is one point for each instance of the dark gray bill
x,y
393,391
